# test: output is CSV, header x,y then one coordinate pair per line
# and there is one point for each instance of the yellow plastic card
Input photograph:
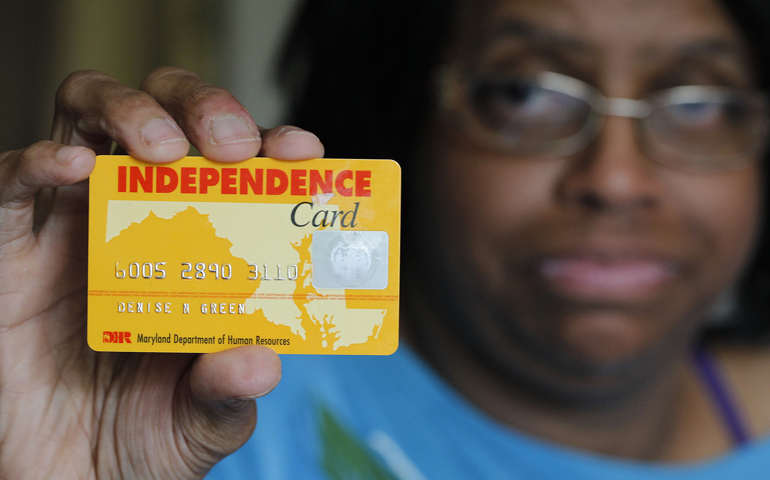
x,y
199,256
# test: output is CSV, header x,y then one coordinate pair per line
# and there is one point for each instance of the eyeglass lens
x,y
528,117
719,126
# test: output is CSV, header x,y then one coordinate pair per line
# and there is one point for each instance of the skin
x,y
551,328
66,411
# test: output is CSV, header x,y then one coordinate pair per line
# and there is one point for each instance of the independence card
x,y
199,256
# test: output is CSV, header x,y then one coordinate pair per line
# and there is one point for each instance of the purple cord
x,y
720,394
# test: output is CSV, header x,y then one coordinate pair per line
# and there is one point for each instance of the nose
x,y
612,175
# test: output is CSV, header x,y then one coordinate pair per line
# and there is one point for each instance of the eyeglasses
x,y
694,127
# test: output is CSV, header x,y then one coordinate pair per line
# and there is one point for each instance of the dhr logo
x,y
116,337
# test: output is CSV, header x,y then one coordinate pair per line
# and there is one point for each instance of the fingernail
x,y
158,131
248,398
231,129
65,155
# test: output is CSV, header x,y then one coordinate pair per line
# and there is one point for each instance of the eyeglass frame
x,y
452,86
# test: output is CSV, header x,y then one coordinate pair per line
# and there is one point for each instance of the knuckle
x,y
33,166
20,159
204,93
165,74
17,166
128,99
45,148
164,70
6,159
77,82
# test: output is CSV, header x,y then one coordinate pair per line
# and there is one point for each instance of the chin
x,y
590,358
606,338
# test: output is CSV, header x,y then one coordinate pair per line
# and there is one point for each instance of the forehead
x,y
599,17
628,27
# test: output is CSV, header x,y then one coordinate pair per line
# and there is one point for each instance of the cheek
x,y
728,208
485,201
496,193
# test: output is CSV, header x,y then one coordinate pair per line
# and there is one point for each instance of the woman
x,y
569,244
563,269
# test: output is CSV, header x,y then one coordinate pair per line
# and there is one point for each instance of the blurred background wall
x,y
232,43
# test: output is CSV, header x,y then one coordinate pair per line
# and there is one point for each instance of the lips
x,y
601,278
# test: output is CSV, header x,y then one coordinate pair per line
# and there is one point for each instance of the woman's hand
x,y
69,412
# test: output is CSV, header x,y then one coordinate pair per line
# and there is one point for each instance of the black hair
x,y
360,76
752,318
360,72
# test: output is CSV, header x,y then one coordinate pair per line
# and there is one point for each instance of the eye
x,y
722,113
515,99
526,111
700,113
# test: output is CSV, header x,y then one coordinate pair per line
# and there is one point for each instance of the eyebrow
x,y
544,36
537,34
709,47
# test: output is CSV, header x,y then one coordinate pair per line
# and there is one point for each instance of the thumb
x,y
219,415
24,172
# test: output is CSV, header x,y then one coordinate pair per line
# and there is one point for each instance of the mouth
x,y
603,278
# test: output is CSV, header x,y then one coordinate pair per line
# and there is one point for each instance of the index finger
x,y
93,109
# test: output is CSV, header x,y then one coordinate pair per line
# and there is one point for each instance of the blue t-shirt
x,y
352,417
